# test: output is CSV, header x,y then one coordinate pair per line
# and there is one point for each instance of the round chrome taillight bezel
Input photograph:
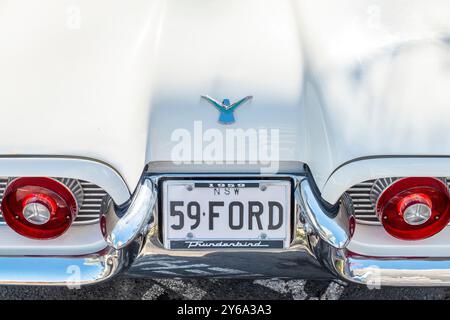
x,y
390,209
56,197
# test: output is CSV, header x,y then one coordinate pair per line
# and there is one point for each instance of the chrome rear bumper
x,y
318,250
296,262
375,272
62,270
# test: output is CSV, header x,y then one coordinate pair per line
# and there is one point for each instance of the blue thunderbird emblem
x,y
226,109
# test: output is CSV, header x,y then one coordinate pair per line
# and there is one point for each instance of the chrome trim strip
x,y
392,156
71,167
196,169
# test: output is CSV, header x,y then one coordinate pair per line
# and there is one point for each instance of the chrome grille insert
x,y
92,202
365,194
362,203
89,195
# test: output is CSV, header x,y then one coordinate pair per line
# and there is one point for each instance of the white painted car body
x,y
108,80
94,90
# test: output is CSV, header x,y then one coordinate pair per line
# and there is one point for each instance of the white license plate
x,y
239,214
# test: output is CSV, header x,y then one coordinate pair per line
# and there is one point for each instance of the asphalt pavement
x,y
198,289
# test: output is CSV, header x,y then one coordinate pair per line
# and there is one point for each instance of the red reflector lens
x,y
38,208
414,208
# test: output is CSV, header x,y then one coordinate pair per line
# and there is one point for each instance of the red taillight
x,y
414,208
38,208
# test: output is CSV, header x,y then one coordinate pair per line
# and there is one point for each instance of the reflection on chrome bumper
x,y
295,262
123,225
318,250
333,226
391,271
61,270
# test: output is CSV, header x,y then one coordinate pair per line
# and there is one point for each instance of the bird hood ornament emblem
x,y
226,109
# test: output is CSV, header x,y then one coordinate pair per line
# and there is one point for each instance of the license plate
x,y
243,214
